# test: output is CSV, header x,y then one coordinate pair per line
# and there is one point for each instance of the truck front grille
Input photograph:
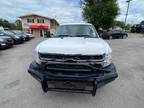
x,y
70,57
73,67
60,62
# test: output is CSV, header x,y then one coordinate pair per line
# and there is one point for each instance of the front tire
x,y
124,36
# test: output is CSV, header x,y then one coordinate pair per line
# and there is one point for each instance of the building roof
x,y
55,21
24,16
35,15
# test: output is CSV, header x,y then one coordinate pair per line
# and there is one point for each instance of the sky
x,y
64,10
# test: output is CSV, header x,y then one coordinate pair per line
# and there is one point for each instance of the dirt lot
x,y
19,90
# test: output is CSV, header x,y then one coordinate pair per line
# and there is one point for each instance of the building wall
x,y
51,23
36,33
25,24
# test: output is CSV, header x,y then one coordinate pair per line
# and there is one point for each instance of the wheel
x,y
124,36
110,37
44,86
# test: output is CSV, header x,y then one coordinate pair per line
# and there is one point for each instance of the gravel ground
x,y
19,90
136,35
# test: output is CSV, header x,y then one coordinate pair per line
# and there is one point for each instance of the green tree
x,y
142,23
101,13
7,24
18,25
120,24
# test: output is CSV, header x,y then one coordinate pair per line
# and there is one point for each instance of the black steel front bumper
x,y
96,77
5,45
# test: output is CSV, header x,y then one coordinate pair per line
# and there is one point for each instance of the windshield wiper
x,y
61,36
85,36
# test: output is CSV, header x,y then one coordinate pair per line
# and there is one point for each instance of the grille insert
x,y
75,67
71,57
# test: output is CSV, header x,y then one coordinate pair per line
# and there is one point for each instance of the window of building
x,y
40,20
43,20
30,20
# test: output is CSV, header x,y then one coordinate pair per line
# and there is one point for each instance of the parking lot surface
x,y
19,90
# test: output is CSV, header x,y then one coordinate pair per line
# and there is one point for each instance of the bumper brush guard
x,y
96,77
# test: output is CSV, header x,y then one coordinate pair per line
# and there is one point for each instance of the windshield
x,y
76,31
8,33
17,32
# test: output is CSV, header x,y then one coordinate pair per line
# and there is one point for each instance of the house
x,y
38,25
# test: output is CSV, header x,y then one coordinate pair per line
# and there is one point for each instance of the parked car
x,y
28,35
6,42
137,28
16,39
2,43
20,34
75,59
114,34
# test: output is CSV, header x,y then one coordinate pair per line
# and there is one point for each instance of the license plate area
x,y
3,44
70,85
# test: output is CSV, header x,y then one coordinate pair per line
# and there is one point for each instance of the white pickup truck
x,y
75,60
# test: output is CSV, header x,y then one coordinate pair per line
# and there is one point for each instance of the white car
x,y
75,59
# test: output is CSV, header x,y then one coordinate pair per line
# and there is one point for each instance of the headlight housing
x,y
37,57
1,40
108,60
17,37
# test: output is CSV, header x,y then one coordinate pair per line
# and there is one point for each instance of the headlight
x,y
17,37
37,57
108,60
1,40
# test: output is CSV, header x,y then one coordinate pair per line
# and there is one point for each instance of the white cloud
x,y
63,10
136,11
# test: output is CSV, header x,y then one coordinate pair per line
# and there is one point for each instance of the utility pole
x,y
128,1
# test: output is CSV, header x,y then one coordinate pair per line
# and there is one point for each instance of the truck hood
x,y
74,45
